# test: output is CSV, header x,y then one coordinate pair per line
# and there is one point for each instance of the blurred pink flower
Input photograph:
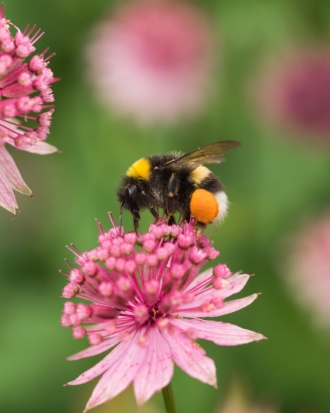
x,y
308,272
149,304
25,95
294,92
152,60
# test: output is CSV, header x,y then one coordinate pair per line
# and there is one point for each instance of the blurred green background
x,y
272,181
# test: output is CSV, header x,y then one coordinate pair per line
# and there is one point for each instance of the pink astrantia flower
x,y
151,60
308,269
293,92
25,105
147,301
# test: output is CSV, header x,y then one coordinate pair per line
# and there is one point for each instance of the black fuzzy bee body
x,y
170,182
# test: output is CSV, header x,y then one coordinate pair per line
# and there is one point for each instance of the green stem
x,y
169,399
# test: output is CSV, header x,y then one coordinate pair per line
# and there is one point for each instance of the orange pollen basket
x,y
203,206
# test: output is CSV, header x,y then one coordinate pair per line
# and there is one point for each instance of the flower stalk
x,y
169,401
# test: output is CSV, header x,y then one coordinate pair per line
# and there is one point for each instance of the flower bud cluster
x,y
135,281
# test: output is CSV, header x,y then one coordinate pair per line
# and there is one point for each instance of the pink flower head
x,y
294,93
147,302
25,106
151,60
308,272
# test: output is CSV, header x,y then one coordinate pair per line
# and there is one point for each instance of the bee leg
x,y
133,206
170,220
199,228
173,187
136,218
154,212
121,232
185,217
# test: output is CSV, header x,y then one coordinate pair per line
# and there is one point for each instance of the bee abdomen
x,y
204,206
207,207
223,204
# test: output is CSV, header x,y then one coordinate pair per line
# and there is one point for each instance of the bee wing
x,y
207,154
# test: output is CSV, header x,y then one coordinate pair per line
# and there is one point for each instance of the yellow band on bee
x,y
199,174
140,169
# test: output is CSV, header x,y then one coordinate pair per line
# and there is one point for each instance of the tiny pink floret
x,y
147,301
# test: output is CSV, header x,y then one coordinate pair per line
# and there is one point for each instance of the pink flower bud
x,y
78,332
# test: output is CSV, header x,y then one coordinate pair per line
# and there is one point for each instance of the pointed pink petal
x,y
157,369
41,148
120,374
190,357
94,350
227,308
232,285
200,278
102,366
223,334
7,198
12,173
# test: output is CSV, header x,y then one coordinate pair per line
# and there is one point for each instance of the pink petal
x,y
94,350
41,148
227,308
232,285
223,334
120,373
7,198
12,173
157,369
200,278
102,366
190,357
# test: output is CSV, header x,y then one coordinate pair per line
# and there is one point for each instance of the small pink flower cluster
x,y
307,271
19,80
152,61
159,289
148,298
25,95
293,93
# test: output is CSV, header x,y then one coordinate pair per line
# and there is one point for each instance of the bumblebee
x,y
177,183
